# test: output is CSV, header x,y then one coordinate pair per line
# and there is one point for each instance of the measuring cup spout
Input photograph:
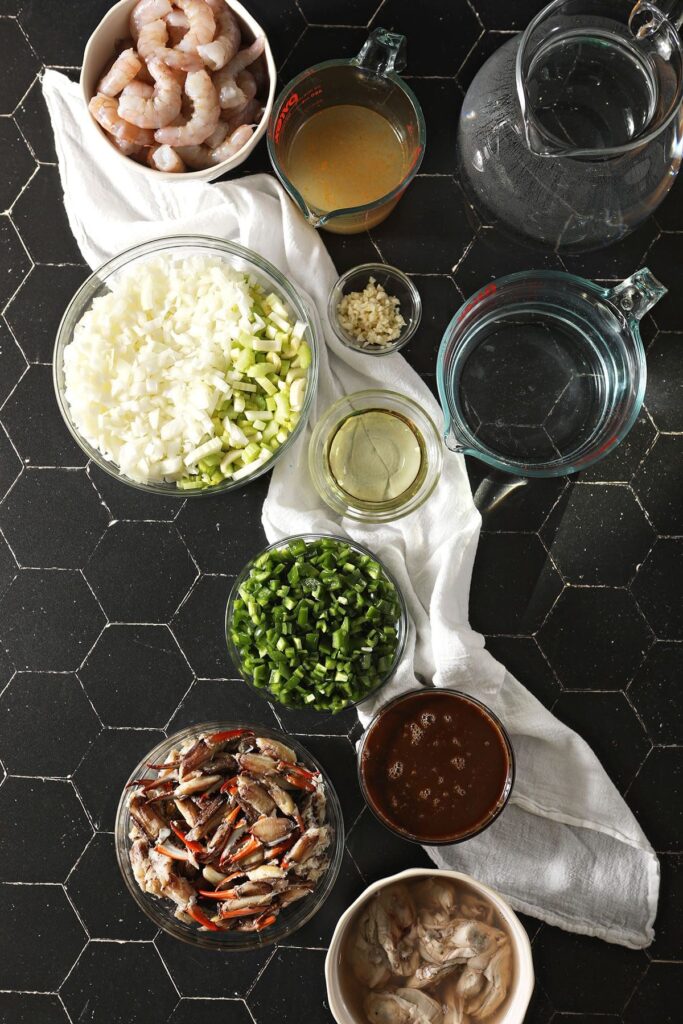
x,y
382,52
452,441
646,17
637,294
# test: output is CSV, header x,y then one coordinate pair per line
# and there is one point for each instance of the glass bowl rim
x,y
402,627
337,291
156,909
332,415
148,249
509,781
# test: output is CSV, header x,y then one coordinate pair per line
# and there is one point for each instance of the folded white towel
x,y
566,849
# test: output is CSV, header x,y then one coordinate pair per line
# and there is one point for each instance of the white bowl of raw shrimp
x,y
402,928
185,71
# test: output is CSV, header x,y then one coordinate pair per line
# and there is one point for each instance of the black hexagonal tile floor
x,y
516,16
135,675
539,1011
140,572
657,589
440,301
437,96
318,44
665,262
318,931
491,256
199,626
349,251
32,117
46,724
96,887
203,1011
62,42
582,974
14,260
93,992
219,976
307,722
517,601
522,657
49,619
668,923
103,772
269,997
34,424
589,529
440,51
337,12
125,502
10,463
378,853
659,484
8,566
6,673
31,1008
619,260
49,829
40,938
222,700
594,638
657,996
36,310
224,533
283,23
623,746
338,758
66,500
18,162
623,461
41,220
12,362
511,503
656,798
664,393
656,692
429,230
19,65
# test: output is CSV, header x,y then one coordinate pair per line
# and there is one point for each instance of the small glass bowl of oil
x,y
397,285
375,456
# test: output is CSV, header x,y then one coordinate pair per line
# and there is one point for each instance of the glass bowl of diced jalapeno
x,y
316,622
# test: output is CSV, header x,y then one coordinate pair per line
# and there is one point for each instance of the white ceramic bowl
x,y
523,979
98,53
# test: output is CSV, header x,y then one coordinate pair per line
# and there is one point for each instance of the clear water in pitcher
x,y
591,90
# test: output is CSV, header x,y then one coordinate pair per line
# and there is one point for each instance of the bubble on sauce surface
x,y
458,762
424,794
427,718
396,770
416,733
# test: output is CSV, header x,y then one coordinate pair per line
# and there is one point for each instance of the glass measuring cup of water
x,y
542,373
330,193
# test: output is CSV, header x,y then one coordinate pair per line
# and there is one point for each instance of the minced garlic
x,y
371,317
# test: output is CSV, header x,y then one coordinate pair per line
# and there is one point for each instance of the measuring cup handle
x,y
637,294
382,52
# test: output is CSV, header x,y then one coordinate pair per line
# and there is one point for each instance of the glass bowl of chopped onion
x,y
162,820
316,622
186,366
374,308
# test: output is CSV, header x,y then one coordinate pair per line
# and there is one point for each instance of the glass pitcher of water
x,y
571,134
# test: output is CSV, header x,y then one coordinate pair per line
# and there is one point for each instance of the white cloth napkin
x,y
566,849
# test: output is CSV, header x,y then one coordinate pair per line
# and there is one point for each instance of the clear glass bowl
x,y
394,282
373,511
502,801
97,284
401,625
160,910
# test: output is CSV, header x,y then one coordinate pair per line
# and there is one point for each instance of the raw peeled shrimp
x,y
105,111
152,106
225,80
127,148
152,42
146,11
205,115
165,158
200,157
223,48
202,24
177,25
123,70
251,115
234,97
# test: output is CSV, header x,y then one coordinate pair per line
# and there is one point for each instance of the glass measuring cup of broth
x,y
347,137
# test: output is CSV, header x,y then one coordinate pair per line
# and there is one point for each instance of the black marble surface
x,y
111,604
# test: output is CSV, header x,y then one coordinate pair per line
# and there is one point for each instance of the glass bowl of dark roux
x,y
436,766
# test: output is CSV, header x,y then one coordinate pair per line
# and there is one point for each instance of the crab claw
x,y
243,912
200,917
251,846
228,734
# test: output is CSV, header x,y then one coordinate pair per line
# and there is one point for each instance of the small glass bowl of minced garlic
x,y
375,309
375,456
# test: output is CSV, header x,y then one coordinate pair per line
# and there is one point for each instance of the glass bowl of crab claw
x,y
229,836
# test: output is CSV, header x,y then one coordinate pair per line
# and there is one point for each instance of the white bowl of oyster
x,y
429,947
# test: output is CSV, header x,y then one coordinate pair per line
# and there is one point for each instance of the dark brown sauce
x,y
435,766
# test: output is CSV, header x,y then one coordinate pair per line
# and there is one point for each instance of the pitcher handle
x,y
382,52
637,294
